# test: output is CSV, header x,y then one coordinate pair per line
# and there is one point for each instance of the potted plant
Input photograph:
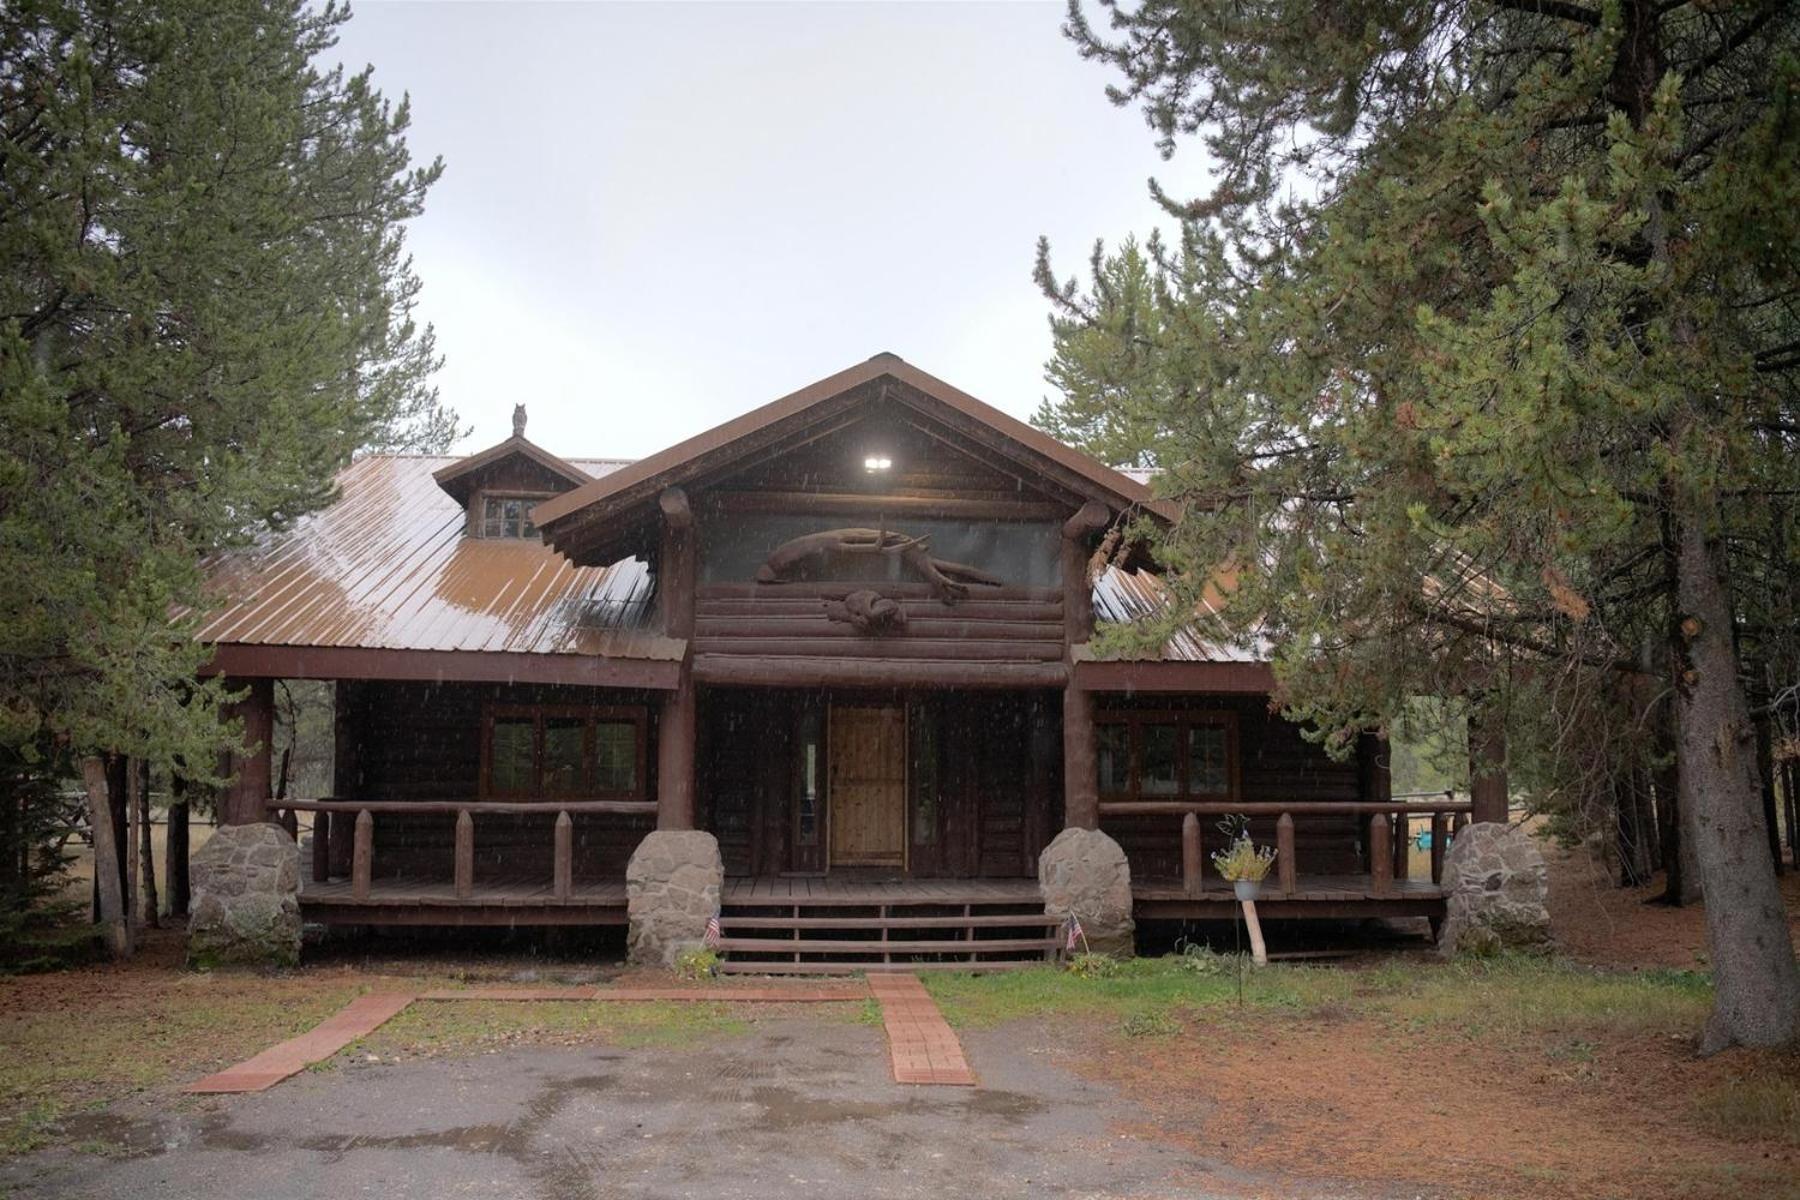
x,y
1243,861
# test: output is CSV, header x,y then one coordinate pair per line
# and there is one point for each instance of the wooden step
x,y
845,946
978,921
878,899
730,967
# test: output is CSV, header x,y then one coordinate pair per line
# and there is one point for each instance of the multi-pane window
x,y
1166,755
507,517
570,752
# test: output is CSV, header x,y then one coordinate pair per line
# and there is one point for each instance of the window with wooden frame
x,y
1166,754
562,752
504,515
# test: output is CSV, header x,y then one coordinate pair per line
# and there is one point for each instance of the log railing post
x,y
465,855
562,868
362,855
1381,854
1461,823
676,577
1191,862
1440,831
1402,845
290,823
1284,852
321,846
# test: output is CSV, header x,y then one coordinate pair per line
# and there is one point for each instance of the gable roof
x,y
598,517
458,477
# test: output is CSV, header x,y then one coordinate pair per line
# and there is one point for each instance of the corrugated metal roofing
x,y
387,567
1125,596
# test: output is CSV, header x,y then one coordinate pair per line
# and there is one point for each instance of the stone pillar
x,y
1083,873
246,798
1487,766
246,898
1495,884
672,889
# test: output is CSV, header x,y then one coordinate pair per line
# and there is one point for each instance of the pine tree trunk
x,y
175,848
110,896
1756,987
146,848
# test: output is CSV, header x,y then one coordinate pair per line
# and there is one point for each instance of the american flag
x,y
712,932
1075,935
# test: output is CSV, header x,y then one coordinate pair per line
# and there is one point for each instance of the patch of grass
x,y
1754,1108
1150,1023
1135,986
465,1026
27,1128
1519,995
1508,995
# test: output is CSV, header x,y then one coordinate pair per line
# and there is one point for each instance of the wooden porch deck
x,y
530,901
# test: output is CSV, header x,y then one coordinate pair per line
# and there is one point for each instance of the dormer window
x,y
498,487
508,516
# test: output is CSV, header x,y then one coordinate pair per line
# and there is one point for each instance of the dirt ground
x,y
1596,921
1576,1112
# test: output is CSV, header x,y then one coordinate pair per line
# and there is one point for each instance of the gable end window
x,y
562,752
507,516
1152,754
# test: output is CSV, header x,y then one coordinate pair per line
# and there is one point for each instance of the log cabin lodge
x,y
847,633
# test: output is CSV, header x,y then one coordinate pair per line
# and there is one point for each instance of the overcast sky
x,y
656,216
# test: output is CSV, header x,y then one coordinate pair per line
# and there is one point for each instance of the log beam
x,y
562,867
362,855
1487,766
246,798
465,855
1284,853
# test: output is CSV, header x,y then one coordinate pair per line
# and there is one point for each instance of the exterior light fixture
x,y
877,462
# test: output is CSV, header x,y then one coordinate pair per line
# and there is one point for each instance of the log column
x,y
1081,793
1487,765
678,575
246,798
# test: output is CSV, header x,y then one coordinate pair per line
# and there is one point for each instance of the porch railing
x,y
338,814
1390,824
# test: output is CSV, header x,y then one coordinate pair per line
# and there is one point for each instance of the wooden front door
x,y
868,786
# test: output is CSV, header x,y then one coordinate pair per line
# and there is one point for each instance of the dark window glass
x,y
565,747
1209,772
1112,754
1158,759
922,772
511,756
615,756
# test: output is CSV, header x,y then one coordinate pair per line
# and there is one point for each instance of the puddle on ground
x,y
786,1109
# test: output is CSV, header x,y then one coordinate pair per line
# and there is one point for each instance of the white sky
x,y
656,216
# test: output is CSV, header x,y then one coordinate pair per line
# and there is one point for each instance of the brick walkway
x,y
366,1014
359,1018
922,1044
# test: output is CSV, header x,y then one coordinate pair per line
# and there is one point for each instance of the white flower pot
x,y
1246,889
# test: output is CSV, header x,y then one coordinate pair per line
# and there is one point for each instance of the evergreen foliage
x,y
204,311
1479,367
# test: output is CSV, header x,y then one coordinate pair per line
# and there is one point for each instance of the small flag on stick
x,y
1075,933
712,932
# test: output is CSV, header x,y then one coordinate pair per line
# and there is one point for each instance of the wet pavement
x,y
793,1108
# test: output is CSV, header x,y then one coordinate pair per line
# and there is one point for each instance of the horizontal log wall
x,y
1006,625
422,742
1276,765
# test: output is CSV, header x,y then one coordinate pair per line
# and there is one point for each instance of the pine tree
x,y
204,311
1479,364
